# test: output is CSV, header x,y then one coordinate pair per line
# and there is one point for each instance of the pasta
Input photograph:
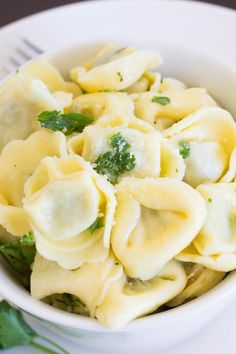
x,y
149,148
105,289
117,186
211,135
148,207
64,197
117,71
200,280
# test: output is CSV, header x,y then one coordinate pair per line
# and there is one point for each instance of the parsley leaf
x,y
118,51
114,163
184,149
120,76
20,254
209,200
66,123
15,331
97,224
118,143
161,100
71,302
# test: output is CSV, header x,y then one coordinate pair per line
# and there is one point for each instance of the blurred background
x,y
11,10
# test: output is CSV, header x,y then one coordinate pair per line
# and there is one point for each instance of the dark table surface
x,y
11,10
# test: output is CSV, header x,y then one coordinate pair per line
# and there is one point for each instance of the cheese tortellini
x,y
105,289
211,136
121,182
116,69
155,218
200,280
150,149
63,198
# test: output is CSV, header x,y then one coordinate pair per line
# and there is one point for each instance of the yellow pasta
x,y
122,183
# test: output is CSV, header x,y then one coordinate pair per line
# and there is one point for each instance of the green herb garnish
x,y
66,123
120,76
209,200
114,163
71,301
119,144
161,100
118,51
14,331
20,254
97,224
184,149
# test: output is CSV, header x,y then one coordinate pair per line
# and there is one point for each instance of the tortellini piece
x,y
155,219
126,300
224,262
230,175
180,104
168,84
154,155
218,234
20,158
89,283
106,291
200,280
64,199
211,136
22,99
13,220
112,108
44,71
150,81
117,70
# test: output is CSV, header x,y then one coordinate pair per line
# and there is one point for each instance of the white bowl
x,y
160,330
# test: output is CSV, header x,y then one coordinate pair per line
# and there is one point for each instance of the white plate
x,y
207,27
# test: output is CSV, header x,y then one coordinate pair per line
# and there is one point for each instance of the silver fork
x,y
26,50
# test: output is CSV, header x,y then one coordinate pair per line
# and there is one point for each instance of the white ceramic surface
x,y
179,21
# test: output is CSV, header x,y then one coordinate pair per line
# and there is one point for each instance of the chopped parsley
x,y
161,100
209,200
17,71
184,149
71,301
20,254
97,224
66,123
120,76
119,144
114,163
14,331
176,170
118,51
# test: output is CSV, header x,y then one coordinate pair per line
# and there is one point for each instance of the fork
x,y
27,50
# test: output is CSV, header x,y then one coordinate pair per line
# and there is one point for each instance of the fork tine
x,y
32,46
23,54
26,52
15,62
